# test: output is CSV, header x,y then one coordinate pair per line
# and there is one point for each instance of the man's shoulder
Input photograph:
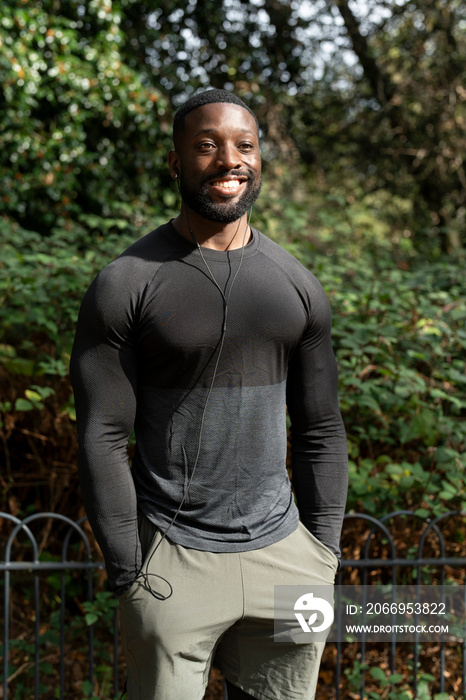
x,y
124,279
290,265
141,258
155,246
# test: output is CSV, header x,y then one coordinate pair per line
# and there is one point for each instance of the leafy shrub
x,y
399,336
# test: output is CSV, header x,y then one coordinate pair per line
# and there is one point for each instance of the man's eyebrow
x,y
213,129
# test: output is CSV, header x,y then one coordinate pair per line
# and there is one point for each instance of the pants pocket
x,y
328,556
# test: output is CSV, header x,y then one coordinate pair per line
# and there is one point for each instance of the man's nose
x,y
228,157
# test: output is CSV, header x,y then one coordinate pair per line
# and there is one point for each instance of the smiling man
x,y
200,336
223,198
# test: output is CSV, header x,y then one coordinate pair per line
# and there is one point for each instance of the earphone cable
x,y
146,574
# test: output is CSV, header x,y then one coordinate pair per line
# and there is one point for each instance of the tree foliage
x,y
81,134
414,119
362,106
370,95
376,88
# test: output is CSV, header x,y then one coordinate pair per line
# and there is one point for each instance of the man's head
x,y
205,98
216,158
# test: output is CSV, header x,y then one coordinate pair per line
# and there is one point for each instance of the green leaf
x,y
23,405
395,678
33,396
43,391
378,674
90,618
422,513
19,365
86,688
456,376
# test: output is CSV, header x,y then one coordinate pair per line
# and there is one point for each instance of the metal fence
x,y
427,560
69,578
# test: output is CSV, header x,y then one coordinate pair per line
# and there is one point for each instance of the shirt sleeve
x,y
103,374
318,438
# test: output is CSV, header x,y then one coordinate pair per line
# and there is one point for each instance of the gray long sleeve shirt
x,y
147,343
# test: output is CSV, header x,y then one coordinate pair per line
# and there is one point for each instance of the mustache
x,y
247,174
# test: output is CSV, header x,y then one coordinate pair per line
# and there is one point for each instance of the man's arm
x,y
318,439
103,373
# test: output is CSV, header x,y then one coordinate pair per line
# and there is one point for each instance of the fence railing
x,y
53,610
415,567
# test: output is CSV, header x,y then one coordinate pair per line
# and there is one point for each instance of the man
x,y
199,335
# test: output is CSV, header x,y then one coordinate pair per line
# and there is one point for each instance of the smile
x,y
227,184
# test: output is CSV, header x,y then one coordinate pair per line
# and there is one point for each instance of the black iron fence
x,y
403,548
60,628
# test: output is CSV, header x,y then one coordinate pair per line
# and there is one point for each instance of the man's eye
x,y
206,146
246,146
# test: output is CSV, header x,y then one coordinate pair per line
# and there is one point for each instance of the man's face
x,y
219,162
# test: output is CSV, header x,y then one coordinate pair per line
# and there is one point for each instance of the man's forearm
x,y
110,502
321,485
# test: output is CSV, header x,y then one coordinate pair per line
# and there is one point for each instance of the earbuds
x,y
177,173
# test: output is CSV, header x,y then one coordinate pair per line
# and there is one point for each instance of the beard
x,y
200,201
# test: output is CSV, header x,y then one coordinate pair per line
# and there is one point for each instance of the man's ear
x,y
174,165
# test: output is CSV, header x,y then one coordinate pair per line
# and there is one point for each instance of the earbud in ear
x,y
177,173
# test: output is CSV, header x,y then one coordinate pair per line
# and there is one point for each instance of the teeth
x,y
227,184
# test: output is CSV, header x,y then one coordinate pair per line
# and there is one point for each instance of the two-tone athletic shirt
x,y
146,350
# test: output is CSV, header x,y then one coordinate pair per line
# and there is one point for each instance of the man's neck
x,y
212,234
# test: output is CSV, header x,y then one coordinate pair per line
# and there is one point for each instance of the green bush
x,y
399,336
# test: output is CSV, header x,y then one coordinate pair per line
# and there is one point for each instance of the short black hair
x,y
205,98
